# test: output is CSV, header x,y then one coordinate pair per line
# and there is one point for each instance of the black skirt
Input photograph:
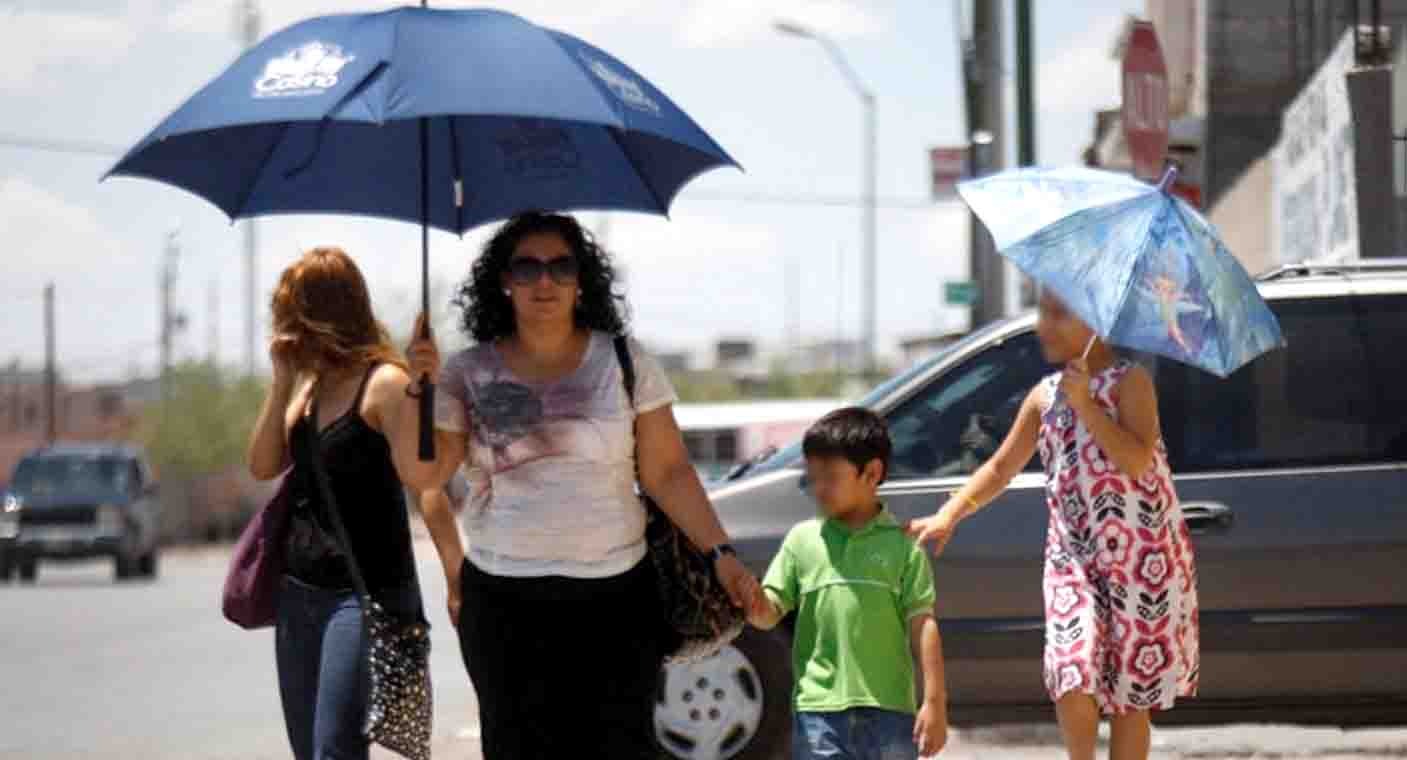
x,y
563,667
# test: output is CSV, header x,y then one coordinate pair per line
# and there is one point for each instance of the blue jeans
x,y
322,678
860,733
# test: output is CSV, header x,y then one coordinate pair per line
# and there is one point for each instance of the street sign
x,y
1145,108
960,293
946,165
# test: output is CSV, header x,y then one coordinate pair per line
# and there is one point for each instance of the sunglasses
x,y
527,270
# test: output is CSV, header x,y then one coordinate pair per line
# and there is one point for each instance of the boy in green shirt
x,y
863,595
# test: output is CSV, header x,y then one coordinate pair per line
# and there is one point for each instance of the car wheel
x,y
734,705
123,568
147,565
29,571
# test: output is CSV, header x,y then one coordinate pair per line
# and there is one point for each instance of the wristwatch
x,y
717,552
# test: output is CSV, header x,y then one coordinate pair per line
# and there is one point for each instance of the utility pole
x,y
1025,95
247,25
869,151
212,323
982,69
171,321
51,380
1025,114
792,299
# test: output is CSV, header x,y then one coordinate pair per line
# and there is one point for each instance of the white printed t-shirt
x,y
551,466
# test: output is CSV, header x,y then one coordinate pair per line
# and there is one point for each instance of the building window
x,y
109,404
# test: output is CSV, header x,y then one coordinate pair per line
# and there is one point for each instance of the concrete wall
x,y
1259,53
1243,218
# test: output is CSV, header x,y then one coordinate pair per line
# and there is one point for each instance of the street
x,y
94,670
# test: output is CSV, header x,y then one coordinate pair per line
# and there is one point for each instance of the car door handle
x,y
1204,516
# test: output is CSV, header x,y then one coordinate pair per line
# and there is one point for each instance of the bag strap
x,y
329,503
627,368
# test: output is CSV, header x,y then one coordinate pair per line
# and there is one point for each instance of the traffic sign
x,y
1145,101
960,293
946,165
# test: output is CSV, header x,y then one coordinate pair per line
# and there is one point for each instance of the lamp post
x,y
867,219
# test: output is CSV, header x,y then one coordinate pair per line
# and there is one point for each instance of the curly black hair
x,y
488,312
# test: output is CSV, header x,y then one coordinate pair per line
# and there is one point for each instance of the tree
x,y
203,424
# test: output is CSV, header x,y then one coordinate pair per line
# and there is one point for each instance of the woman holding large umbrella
x,y
560,622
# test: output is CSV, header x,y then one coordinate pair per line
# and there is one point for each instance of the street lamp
x,y
867,221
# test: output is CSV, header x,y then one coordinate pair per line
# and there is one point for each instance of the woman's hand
x,y
422,354
454,584
282,350
741,585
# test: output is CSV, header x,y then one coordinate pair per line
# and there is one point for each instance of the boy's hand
x,y
931,728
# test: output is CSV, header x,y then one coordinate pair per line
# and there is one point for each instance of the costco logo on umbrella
x,y
628,90
309,69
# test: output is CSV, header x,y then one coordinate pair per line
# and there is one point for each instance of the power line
x,y
60,146
893,202
126,356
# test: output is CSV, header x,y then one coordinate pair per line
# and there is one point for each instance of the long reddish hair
x,y
322,301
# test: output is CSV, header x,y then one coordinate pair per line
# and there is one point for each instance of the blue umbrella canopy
x,y
449,118
327,116
1138,265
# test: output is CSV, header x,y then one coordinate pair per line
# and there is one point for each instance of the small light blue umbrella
x,y
448,118
1137,264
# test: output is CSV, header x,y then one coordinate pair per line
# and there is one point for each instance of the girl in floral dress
x,y
1120,583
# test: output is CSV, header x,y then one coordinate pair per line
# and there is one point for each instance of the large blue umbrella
x,y
1140,266
449,118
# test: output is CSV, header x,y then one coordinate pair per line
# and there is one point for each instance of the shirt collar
x,y
885,519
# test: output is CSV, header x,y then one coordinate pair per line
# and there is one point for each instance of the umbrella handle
x,y
427,419
1169,176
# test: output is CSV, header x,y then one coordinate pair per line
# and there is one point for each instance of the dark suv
x,y
1293,478
80,501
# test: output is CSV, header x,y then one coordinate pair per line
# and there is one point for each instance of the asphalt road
x,y
93,670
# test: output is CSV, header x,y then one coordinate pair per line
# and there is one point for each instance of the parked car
x,y
722,437
1293,478
80,501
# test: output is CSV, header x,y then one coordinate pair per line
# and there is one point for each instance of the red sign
x,y
1145,107
947,166
1189,192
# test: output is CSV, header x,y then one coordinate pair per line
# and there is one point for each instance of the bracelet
x,y
972,503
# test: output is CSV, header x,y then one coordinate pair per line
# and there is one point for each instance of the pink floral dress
x,y
1120,582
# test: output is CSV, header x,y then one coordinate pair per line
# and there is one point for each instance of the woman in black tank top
x,y
338,393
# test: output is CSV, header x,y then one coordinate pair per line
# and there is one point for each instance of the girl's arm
x,y
1129,442
990,480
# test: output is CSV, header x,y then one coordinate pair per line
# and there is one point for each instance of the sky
x,y
104,72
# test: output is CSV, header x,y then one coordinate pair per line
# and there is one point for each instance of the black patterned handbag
x,y
399,708
699,619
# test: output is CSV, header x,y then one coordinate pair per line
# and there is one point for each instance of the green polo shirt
x,y
855,593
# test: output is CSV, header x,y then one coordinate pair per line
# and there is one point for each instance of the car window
x,y
1334,396
953,425
70,475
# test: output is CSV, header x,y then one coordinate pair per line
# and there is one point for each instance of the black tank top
x,y
370,501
